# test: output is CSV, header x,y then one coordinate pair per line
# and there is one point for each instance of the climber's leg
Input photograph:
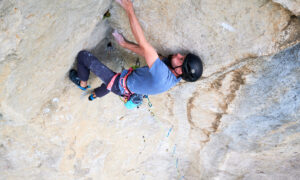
x,y
87,62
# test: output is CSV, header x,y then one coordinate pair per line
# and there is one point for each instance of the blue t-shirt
x,y
154,80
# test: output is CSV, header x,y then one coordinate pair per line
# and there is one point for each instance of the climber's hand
x,y
119,38
126,4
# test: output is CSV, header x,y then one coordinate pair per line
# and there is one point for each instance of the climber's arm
x,y
127,44
134,48
149,52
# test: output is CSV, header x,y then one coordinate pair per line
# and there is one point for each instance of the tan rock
x,y
240,121
292,5
221,32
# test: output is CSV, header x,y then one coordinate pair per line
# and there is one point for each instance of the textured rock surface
x,y
41,39
259,135
222,32
241,121
292,5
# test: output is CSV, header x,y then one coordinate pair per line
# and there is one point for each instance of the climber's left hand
x,y
119,38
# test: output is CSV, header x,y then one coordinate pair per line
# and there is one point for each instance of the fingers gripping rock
x,y
118,37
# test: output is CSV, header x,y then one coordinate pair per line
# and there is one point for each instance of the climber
x,y
160,75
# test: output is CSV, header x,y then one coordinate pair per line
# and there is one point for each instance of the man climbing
x,y
158,76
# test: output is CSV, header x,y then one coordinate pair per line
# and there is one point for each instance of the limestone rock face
x,y
258,137
248,28
40,40
240,121
292,5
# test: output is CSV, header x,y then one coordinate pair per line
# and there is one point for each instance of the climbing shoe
x,y
91,97
73,75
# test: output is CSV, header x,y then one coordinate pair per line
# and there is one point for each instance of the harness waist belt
x,y
112,81
123,82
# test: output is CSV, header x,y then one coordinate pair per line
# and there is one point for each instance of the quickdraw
x,y
149,103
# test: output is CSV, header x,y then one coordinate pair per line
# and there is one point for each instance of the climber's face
x,y
176,62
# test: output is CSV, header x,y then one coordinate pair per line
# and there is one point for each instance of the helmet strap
x,y
174,69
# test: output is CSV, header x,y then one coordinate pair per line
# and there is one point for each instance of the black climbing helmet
x,y
192,68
